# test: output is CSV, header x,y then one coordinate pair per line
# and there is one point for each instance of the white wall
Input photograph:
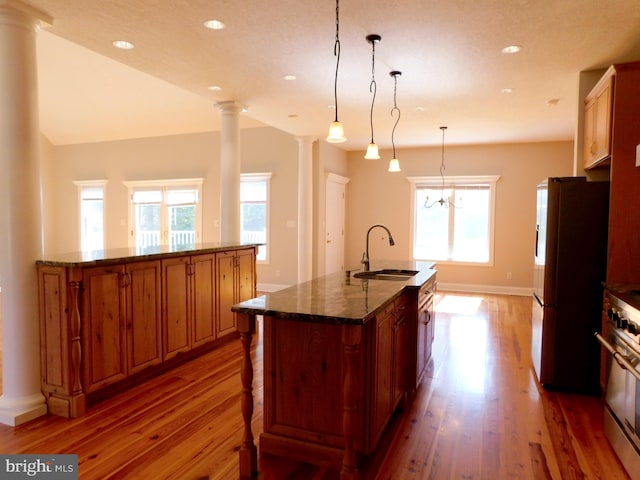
x,y
170,157
377,196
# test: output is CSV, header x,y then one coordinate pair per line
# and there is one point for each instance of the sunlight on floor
x,y
459,304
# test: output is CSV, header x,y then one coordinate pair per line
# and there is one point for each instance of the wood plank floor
x,y
477,415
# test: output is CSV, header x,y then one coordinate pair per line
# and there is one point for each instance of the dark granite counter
x,y
337,298
120,255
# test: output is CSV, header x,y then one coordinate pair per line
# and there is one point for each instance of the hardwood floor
x,y
478,414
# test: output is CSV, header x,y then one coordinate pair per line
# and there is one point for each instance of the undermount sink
x,y
386,274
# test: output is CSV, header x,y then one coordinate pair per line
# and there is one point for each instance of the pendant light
x,y
444,202
394,164
372,149
336,131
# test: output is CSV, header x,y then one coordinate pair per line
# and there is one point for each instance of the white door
x,y
334,223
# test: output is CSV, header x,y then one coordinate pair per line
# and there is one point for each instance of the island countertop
x,y
337,298
118,255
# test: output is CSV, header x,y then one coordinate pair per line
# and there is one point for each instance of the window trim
x,y
167,184
261,177
437,181
81,184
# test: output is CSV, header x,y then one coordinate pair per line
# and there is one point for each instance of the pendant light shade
x,y
372,152
394,165
336,131
372,149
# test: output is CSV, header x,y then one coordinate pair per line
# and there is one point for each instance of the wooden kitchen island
x,y
340,355
109,319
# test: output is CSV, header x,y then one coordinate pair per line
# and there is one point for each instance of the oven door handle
x,y
618,357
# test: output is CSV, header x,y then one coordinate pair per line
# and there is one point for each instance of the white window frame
x,y
261,177
164,185
436,182
83,184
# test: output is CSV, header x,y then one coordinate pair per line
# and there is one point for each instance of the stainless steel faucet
x,y
365,256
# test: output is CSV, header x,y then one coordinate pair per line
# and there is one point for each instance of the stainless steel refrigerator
x,y
569,268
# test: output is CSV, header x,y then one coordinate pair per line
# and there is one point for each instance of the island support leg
x,y
351,337
248,450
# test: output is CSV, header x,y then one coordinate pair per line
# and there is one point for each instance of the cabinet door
x,y
226,287
246,275
143,315
401,349
204,305
103,335
382,373
176,306
597,122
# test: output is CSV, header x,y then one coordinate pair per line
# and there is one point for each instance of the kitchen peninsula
x,y
110,318
341,353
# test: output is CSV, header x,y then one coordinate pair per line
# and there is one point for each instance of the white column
x,y
230,171
305,207
20,212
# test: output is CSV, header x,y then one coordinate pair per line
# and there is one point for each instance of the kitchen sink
x,y
386,274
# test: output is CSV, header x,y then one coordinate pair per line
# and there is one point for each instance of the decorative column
x,y
305,207
230,171
20,214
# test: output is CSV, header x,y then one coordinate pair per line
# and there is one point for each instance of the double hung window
x,y
91,206
254,211
165,212
453,218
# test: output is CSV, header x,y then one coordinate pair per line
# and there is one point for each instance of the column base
x,y
19,411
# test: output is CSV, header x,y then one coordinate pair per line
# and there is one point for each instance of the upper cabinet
x,y
598,107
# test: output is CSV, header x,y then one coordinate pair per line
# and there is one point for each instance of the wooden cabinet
x,y
122,331
425,328
188,303
102,325
597,122
235,280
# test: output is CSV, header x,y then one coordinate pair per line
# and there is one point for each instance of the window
x,y
453,222
165,212
91,200
254,211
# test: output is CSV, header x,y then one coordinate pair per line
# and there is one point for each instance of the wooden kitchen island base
x,y
332,382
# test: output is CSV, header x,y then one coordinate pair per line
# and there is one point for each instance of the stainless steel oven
x,y
621,339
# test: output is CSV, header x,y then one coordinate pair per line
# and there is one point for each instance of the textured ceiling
x,y
448,52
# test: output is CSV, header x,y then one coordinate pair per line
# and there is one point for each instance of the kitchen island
x,y
111,318
341,353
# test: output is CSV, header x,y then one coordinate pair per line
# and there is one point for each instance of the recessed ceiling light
x,y
215,25
293,115
511,49
214,88
289,77
506,90
332,106
123,44
553,102
420,109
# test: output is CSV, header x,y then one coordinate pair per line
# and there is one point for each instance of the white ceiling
x,y
448,53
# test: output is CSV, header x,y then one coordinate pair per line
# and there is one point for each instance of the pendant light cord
x,y
372,86
336,53
394,109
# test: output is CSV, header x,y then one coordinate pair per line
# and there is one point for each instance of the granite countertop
x,y
119,255
337,298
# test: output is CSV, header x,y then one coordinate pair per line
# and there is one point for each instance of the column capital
x,y
304,139
230,106
11,7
